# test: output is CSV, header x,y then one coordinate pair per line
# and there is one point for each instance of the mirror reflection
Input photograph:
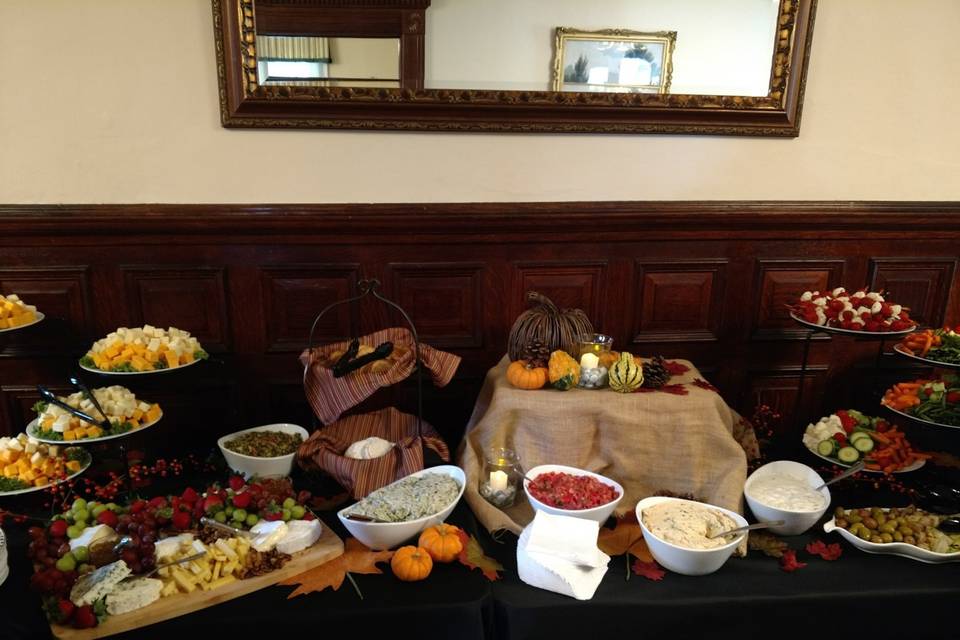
x,y
328,61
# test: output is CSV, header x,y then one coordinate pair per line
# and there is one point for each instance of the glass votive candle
x,y
500,478
592,374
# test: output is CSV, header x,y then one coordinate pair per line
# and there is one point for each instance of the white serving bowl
x,y
387,535
794,522
689,562
600,514
261,467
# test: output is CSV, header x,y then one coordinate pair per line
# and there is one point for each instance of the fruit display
x,y
848,436
866,311
124,411
563,371
935,345
142,350
544,321
570,491
909,525
14,313
626,375
935,401
442,542
411,564
27,463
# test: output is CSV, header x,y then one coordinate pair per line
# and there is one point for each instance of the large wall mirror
x,y
613,66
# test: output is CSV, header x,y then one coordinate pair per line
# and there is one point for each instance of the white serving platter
x,y
34,433
892,548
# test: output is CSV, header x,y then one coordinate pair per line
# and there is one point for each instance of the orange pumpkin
x,y
608,359
442,542
524,376
411,563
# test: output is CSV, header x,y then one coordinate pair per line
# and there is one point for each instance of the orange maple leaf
x,y
626,537
356,558
472,556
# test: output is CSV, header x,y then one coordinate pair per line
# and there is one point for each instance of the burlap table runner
x,y
647,442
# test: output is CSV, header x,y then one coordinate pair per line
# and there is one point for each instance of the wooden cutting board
x,y
329,546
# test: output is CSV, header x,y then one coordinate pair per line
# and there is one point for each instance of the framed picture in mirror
x,y
613,60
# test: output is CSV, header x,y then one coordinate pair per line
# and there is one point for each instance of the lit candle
x,y
589,361
498,480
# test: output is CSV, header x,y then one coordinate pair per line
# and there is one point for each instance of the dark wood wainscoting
x,y
704,281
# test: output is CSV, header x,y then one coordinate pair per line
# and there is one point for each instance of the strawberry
x,y
108,518
242,500
181,520
157,503
847,324
835,305
84,617
58,528
190,495
65,608
138,506
255,488
309,516
871,325
212,504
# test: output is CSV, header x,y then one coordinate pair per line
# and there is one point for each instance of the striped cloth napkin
x,y
330,397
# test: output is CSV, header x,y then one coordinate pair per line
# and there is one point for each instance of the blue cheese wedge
x,y
91,587
132,594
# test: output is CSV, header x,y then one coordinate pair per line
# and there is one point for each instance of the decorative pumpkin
x,y
543,321
442,542
564,371
523,375
411,563
607,358
626,375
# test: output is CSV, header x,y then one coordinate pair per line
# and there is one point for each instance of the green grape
x,y
220,516
230,509
289,503
239,515
297,512
81,514
252,519
73,531
113,506
81,554
97,510
67,563
79,503
286,514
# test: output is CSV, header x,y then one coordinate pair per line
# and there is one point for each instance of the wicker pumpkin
x,y
523,375
626,375
543,321
411,563
442,542
563,370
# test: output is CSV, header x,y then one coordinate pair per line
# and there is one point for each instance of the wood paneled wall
x,y
704,281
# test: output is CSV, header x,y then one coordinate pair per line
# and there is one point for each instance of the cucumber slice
x,y
848,455
827,447
863,445
858,435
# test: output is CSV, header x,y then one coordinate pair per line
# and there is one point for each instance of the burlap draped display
x,y
647,442
324,449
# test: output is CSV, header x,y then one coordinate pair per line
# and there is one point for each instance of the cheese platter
x,y
38,317
55,467
15,314
327,547
142,351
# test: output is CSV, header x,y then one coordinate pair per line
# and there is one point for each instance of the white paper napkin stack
x,y
560,554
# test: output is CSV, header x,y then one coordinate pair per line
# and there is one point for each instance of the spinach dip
x,y
409,499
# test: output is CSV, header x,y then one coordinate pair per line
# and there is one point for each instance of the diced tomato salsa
x,y
568,491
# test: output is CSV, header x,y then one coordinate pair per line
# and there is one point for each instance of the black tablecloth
x,y
860,594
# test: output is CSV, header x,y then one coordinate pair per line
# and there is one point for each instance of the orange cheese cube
x,y
70,434
93,432
171,359
23,465
10,471
187,357
41,481
73,465
28,475
153,413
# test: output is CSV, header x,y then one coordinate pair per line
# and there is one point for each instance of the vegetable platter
x,y
934,347
848,436
935,402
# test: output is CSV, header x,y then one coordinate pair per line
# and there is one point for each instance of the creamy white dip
x,y
687,524
786,492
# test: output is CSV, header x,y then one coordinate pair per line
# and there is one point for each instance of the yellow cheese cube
x,y
93,432
28,475
10,471
73,465
41,481
69,435
23,465
153,413
171,358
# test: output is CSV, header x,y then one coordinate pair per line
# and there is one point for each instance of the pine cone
x,y
536,353
655,373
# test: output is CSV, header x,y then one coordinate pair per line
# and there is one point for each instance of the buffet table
x,y
745,597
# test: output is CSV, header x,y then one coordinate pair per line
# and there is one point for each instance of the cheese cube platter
x,y
15,314
143,350
126,413
27,465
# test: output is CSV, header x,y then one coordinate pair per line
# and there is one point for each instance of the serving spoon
x,y
846,474
749,527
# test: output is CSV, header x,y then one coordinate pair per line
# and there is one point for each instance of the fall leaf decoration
x,y
649,570
626,537
789,562
675,389
767,543
356,558
828,552
703,384
674,368
473,557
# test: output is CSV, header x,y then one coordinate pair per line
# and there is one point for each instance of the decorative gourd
x,y
523,375
564,371
442,542
608,358
626,375
411,563
543,321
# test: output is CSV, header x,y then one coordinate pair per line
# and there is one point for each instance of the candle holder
x,y
592,374
500,478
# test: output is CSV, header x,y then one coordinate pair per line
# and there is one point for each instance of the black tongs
x,y
50,397
348,362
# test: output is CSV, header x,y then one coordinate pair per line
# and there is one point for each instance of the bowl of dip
x,y
676,530
567,491
266,452
403,509
784,490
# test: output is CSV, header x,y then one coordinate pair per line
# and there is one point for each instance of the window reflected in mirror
x,y
328,62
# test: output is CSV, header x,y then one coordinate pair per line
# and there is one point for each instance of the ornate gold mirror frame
x,y
246,103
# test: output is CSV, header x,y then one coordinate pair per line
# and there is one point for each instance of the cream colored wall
x,y
116,101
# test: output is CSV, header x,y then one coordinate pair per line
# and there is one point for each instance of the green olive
x,y
905,530
898,536
888,527
854,517
886,537
870,523
876,539
840,522
880,518
839,512
863,533
909,539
